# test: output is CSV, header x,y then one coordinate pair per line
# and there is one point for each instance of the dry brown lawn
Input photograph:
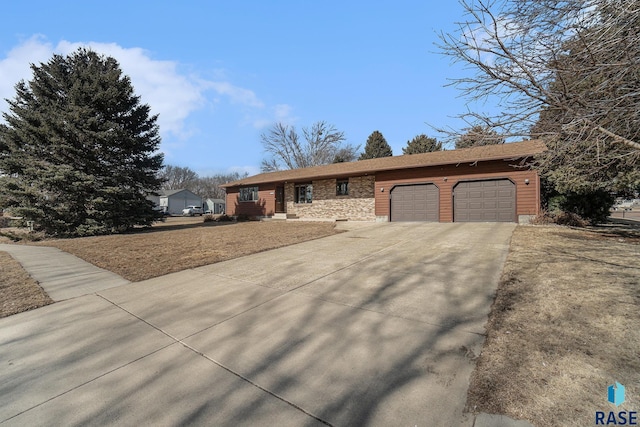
x,y
564,326
18,291
182,243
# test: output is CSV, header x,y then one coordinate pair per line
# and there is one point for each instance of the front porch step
x,y
279,216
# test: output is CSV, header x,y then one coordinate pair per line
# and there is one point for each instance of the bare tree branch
x,y
177,178
323,145
566,71
532,54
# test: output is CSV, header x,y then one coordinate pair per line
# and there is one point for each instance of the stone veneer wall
x,y
359,205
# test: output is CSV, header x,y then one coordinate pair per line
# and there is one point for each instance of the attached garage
x,y
416,202
485,201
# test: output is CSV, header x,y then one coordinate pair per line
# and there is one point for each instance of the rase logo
x,y
615,395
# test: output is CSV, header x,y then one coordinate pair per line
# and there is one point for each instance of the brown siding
x,y
527,195
264,206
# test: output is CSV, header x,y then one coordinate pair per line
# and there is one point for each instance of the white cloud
x,y
282,113
279,113
16,65
171,94
236,94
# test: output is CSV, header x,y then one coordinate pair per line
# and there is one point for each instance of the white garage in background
x,y
214,206
174,201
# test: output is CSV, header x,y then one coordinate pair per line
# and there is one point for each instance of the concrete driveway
x,y
376,326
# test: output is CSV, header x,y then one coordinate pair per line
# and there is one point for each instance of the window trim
x,y
251,191
296,195
338,187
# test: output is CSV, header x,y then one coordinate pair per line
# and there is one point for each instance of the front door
x,y
279,199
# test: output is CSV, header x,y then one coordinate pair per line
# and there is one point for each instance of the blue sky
x,y
220,73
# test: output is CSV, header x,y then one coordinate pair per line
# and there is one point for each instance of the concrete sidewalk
x,y
62,275
377,326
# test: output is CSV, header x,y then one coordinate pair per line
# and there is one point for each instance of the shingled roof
x,y
509,151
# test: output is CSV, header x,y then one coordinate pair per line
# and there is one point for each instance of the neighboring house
x,y
215,206
155,200
174,201
489,183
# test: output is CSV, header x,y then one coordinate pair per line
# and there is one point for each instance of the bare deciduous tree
x,y
577,62
177,178
323,145
209,186
348,153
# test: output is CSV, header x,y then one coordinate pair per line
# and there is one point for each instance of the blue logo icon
x,y
615,394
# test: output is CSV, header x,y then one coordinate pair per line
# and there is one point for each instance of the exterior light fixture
x,y
526,181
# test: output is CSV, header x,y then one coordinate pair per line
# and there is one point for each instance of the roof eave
x,y
248,181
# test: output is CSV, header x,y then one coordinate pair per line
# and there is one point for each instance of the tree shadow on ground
x,y
393,347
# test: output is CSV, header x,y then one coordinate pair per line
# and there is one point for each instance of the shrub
x,y
543,218
243,217
219,218
570,219
592,206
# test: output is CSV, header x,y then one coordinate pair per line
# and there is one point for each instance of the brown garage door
x,y
485,201
417,202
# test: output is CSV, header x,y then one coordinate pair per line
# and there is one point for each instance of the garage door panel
x,y
418,202
485,201
486,217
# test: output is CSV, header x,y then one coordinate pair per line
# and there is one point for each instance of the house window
x,y
342,187
304,193
248,194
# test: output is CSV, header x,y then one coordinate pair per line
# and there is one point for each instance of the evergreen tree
x,y
422,144
79,152
375,147
477,136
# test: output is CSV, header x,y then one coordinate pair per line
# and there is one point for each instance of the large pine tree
x,y
375,147
477,136
422,144
78,153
